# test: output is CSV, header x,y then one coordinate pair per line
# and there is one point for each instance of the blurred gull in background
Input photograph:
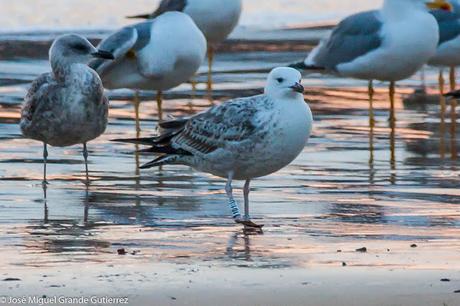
x,y
448,53
158,54
215,18
389,44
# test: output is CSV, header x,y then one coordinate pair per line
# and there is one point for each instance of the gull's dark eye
x,y
80,47
280,80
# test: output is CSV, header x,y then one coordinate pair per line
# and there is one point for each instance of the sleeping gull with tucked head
x,y
154,55
389,44
215,18
241,139
67,106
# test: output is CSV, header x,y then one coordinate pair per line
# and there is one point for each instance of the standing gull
x,y
159,54
67,106
389,44
448,53
215,18
241,139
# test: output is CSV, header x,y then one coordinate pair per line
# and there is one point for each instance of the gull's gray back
x,y
355,36
449,23
170,5
232,121
130,38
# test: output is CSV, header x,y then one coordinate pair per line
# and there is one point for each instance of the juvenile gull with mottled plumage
x,y
241,139
67,106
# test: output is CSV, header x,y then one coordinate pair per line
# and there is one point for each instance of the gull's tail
x,y
162,144
453,94
310,63
303,66
142,16
161,161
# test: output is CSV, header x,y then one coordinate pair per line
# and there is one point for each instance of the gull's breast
x,y
284,139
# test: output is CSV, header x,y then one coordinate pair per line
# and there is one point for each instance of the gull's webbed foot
x,y
248,223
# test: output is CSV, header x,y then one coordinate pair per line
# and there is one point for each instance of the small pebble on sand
x,y
121,252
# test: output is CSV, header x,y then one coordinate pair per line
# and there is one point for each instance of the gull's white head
x,y
284,82
73,49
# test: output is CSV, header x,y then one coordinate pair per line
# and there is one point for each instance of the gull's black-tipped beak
x,y
143,16
103,54
298,88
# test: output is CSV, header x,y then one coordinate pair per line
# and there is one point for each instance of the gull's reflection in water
x,y
239,246
442,127
392,123
371,133
453,129
86,205
45,204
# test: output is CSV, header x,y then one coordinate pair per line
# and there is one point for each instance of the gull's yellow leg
x,y
137,104
392,101
441,92
371,104
160,105
193,82
210,62
452,78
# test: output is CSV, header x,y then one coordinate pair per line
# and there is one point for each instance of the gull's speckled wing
x,y
128,39
170,5
38,96
353,37
449,23
232,122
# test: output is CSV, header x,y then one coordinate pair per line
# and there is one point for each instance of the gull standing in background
x,y
389,44
158,54
67,106
241,139
448,53
215,18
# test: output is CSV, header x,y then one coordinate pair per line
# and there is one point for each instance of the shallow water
x,y
21,15
352,186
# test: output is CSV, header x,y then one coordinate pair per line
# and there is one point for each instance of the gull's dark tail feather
x,y
303,66
161,161
143,16
162,144
149,141
453,94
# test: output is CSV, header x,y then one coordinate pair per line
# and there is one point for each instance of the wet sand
x,y
393,191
